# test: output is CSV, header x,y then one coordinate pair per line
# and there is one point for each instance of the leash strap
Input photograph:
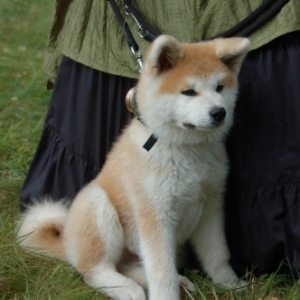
x,y
260,16
124,26
134,47
145,30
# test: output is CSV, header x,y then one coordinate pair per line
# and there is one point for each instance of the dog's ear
x,y
231,51
163,54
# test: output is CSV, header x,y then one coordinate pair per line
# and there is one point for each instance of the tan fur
x,y
90,245
115,164
149,224
200,63
49,237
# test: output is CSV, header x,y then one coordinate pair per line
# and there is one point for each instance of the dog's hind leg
x,y
94,243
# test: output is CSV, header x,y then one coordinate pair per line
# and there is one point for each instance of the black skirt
x,y
87,113
263,195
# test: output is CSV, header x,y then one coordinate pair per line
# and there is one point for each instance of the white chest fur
x,y
176,181
182,180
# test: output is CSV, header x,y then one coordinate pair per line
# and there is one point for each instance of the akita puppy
x,y
125,229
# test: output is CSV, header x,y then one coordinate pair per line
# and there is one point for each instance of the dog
x,y
126,230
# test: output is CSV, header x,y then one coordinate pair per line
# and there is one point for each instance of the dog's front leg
x,y
157,243
211,247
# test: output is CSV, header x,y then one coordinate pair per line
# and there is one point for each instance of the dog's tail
x,y
40,228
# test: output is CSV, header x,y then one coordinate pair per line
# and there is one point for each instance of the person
x,y
92,69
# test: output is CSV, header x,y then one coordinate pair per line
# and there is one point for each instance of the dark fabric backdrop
x,y
263,199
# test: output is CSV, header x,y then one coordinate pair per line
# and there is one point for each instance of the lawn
x,y
24,27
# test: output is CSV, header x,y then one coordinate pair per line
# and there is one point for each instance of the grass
x,y
23,104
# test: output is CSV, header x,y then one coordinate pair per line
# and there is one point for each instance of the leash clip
x,y
138,56
143,32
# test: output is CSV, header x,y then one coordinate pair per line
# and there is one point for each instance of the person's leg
x,y
86,113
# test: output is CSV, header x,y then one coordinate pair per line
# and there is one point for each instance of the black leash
x,y
145,30
260,16
134,47
135,50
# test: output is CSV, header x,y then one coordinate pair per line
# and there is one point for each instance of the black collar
x,y
152,139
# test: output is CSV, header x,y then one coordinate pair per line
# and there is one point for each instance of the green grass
x,y
23,98
23,104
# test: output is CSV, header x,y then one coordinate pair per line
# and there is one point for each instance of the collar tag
x,y
150,143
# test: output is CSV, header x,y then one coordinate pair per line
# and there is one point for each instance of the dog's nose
x,y
218,114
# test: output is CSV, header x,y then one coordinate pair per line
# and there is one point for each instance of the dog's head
x,y
187,92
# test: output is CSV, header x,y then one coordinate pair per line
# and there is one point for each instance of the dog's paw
x,y
126,293
241,284
234,284
187,284
228,279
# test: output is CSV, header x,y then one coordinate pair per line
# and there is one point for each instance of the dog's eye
x,y
219,88
189,93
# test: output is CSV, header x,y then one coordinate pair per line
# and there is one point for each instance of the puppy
x,y
125,229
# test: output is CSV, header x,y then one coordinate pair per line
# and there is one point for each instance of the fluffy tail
x,y
40,228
